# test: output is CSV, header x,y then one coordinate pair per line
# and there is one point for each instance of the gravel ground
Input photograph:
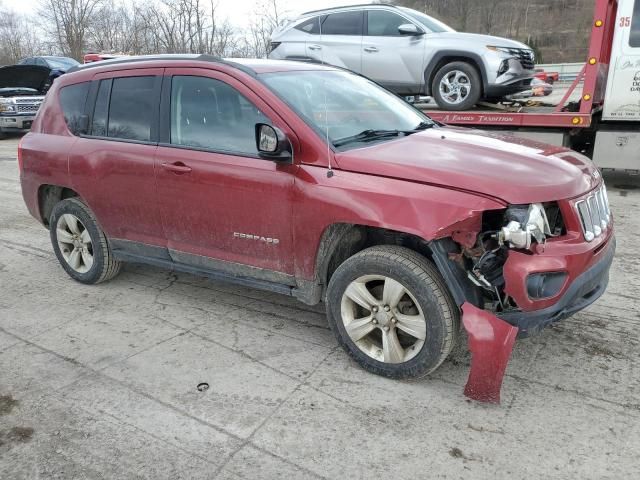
x,y
101,381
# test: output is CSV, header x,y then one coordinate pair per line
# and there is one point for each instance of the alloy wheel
x,y
383,319
74,243
455,87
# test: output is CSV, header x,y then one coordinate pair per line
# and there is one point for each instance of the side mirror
x,y
410,29
273,144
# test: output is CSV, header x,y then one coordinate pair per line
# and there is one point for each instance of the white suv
x,y
409,53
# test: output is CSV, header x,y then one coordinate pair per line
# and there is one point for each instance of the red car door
x,y
221,204
112,166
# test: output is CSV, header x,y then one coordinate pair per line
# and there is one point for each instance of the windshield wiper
x,y
371,134
365,135
423,126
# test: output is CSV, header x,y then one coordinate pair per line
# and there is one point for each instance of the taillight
x,y
20,154
274,45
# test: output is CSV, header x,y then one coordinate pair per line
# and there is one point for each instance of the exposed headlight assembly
x,y
525,223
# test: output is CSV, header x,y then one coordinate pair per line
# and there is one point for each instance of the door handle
x,y
176,167
370,49
315,47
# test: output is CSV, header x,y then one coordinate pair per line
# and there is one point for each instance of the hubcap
x,y
383,319
74,243
455,86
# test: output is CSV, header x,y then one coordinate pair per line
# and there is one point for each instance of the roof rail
x,y
351,6
142,58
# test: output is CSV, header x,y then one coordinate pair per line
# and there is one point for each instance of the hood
x,y
24,76
16,92
515,170
479,39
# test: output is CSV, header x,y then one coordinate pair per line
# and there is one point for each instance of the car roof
x,y
345,7
251,66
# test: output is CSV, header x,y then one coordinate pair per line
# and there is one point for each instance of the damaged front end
x,y
523,228
473,260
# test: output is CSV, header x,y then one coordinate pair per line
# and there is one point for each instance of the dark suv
x,y
314,182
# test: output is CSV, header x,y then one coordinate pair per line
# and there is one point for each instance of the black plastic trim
x,y
213,274
456,279
302,58
210,150
164,130
128,247
499,90
137,252
231,268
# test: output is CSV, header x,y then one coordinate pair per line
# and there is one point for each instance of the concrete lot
x,y
100,381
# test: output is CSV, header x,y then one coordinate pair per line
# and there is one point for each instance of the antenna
x,y
326,108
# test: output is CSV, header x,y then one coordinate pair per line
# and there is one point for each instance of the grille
x,y
28,100
594,213
28,108
526,57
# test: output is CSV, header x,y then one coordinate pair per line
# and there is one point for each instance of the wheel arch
x,y
49,196
340,241
447,56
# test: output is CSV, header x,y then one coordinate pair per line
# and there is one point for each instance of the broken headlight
x,y
525,223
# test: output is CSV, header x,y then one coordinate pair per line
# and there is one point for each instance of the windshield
x,y
61,62
344,105
433,25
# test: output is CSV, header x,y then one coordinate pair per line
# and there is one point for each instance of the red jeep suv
x,y
317,183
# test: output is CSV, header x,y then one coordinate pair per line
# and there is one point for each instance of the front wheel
x,y
457,86
391,312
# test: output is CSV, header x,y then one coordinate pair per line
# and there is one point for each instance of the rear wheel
x,y
391,312
79,243
457,86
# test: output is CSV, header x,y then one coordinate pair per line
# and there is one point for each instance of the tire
x,y
103,266
2,134
467,97
422,285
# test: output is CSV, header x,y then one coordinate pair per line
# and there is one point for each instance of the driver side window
x,y
384,24
211,115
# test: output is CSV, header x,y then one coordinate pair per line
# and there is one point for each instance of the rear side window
x,y
634,34
132,108
310,26
210,114
72,101
384,24
346,23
